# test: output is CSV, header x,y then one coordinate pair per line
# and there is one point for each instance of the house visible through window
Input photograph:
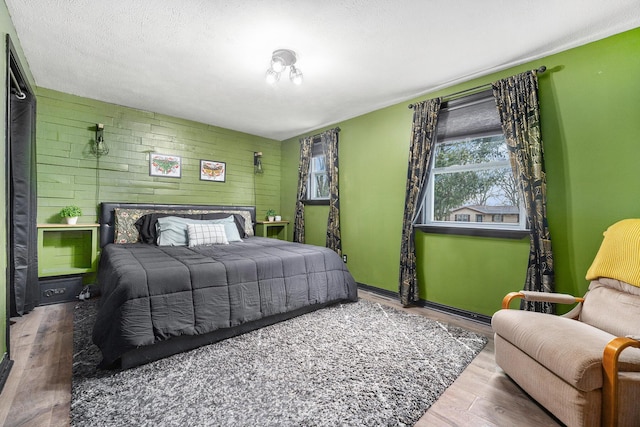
x,y
471,183
318,180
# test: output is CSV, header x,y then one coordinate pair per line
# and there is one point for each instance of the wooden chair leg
x,y
610,378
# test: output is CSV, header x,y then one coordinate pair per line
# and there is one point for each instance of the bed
x,y
160,298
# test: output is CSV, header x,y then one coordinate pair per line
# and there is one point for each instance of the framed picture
x,y
211,170
165,165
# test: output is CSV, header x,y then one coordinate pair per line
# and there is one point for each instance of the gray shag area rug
x,y
356,364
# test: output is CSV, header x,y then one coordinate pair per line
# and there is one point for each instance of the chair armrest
x,y
541,296
610,378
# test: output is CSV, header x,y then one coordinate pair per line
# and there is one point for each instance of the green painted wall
x,y
590,103
69,174
6,27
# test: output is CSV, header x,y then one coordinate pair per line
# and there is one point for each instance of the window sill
x,y
321,202
478,232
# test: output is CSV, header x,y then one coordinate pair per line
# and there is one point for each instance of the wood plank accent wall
x,y
68,173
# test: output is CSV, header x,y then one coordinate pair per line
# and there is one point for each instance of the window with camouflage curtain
x,y
318,184
516,98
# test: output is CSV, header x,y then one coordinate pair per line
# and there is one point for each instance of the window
x,y
318,188
470,175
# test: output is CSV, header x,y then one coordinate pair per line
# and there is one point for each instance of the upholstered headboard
x,y
107,214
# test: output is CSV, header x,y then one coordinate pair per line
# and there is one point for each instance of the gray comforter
x,y
152,293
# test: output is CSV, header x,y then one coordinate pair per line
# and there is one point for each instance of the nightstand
x,y
274,229
65,253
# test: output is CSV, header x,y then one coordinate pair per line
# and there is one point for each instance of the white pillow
x,y
206,234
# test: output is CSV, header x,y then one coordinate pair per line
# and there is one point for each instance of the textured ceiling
x,y
205,60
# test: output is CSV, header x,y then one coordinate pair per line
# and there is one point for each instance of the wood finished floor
x,y
38,390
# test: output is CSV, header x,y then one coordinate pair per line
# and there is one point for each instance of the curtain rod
x,y
19,93
318,135
540,70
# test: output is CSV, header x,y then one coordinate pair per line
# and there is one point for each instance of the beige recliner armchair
x,y
580,366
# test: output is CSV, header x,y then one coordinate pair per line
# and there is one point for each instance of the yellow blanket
x,y
619,254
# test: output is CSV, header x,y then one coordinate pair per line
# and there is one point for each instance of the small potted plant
x,y
71,214
271,214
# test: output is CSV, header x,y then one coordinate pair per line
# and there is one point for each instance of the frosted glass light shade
x,y
272,76
278,65
295,75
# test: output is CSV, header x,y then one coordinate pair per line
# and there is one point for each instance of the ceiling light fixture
x,y
280,60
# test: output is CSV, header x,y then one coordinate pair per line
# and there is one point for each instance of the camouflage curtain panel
x,y
517,100
329,140
423,136
303,179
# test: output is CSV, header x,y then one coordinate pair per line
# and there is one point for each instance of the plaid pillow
x,y
206,234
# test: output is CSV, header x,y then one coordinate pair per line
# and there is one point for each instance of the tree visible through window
x,y
472,172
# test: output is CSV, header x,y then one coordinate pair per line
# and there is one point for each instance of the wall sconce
x,y
99,148
280,60
257,162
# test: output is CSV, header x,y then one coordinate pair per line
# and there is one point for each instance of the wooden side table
x,y
274,229
65,249
66,252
